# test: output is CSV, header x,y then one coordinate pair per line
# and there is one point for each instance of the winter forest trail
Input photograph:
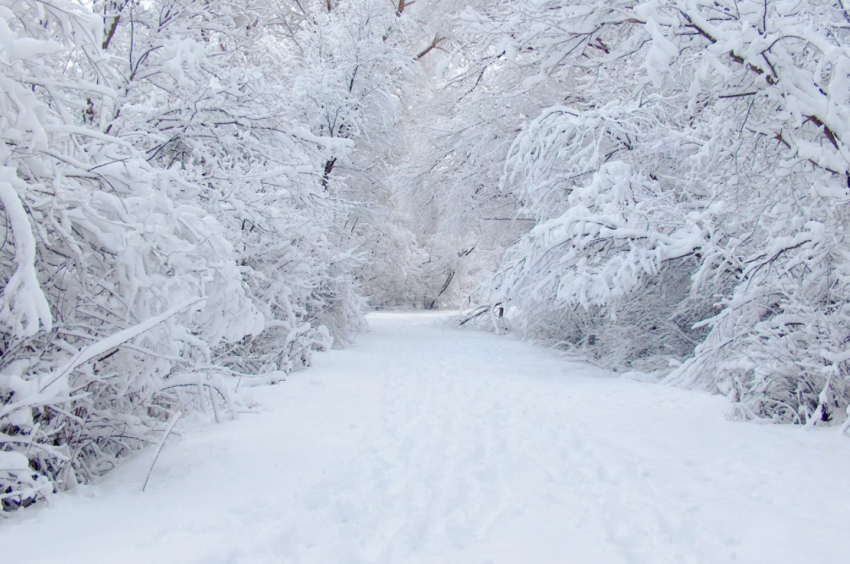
x,y
421,444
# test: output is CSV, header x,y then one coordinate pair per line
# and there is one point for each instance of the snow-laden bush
x,y
163,230
115,294
215,109
691,191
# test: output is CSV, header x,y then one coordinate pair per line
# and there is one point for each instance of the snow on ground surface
x,y
422,444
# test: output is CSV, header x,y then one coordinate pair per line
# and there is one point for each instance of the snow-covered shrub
x,y
691,183
165,230
115,294
215,112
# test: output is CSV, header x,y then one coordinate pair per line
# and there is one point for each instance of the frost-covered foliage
x,y
215,109
458,136
351,66
354,65
690,186
165,228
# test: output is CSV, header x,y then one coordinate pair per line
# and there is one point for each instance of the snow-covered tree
x,y
114,292
351,67
216,108
165,228
458,133
691,192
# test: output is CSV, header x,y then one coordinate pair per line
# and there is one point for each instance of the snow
x,y
22,302
13,461
113,341
425,444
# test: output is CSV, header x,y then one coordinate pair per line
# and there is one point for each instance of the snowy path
x,y
426,445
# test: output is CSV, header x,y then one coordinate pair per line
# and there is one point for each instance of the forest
x,y
198,196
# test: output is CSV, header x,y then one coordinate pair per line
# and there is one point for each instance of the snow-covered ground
x,y
422,444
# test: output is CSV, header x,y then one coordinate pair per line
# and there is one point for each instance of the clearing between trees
x,y
424,444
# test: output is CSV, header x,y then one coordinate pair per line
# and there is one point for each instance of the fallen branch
x,y
171,423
